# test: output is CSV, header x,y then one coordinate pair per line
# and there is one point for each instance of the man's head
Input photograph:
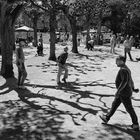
x,y
66,49
120,61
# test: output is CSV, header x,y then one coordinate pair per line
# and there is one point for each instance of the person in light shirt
x,y
20,59
127,48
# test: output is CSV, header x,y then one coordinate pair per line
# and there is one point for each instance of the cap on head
x,y
121,58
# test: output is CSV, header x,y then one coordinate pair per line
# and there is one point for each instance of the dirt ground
x,y
42,112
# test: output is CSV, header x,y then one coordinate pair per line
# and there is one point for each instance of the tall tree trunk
x,y
74,35
52,35
35,31
7,43
8,15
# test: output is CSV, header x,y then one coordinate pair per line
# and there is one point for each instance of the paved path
x,y
42,112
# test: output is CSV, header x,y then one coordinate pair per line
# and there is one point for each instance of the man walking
x,y
127,47
125,87
62,66
22,74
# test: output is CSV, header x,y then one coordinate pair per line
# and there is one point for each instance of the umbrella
x,y
24,28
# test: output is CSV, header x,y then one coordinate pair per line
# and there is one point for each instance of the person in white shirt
x,y
127,48
20,59
113,43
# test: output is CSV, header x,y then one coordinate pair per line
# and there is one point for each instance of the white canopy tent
x,y
90,31
24,33
24,29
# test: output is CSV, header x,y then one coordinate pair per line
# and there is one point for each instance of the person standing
x,y
127,48
62,66
125,87
78,42
40,44
118,40
113,43
20,59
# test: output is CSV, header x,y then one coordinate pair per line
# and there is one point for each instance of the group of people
x,y
124,83
128,43
22,74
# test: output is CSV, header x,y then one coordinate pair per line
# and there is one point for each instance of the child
x,y
125,87
22,74
62,66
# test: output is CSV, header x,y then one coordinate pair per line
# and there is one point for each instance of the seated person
x,y
90,44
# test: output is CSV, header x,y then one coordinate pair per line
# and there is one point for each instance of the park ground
x,y
42,112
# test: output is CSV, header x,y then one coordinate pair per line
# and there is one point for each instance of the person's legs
x,y
125,53
114,107
59,74
66,72
19,76
113,49
24,75
129,53
129,108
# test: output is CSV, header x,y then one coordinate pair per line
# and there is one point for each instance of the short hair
x,y
123,58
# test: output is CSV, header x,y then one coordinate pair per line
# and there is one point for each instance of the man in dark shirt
x,y
125,87
62,66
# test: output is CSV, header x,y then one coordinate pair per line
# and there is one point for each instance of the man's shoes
x,y
64,80
135,127
104,118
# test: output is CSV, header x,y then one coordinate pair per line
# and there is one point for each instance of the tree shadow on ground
x,y
123,128
23,119
20,121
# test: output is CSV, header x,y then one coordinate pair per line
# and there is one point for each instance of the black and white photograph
x,y
69,69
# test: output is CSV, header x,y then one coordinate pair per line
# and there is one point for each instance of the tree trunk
x,y
35,31
52,35
8,15
7,43
74,35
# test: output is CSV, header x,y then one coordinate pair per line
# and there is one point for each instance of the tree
x,y
34,14
9,11
116,15
50,8
72,10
